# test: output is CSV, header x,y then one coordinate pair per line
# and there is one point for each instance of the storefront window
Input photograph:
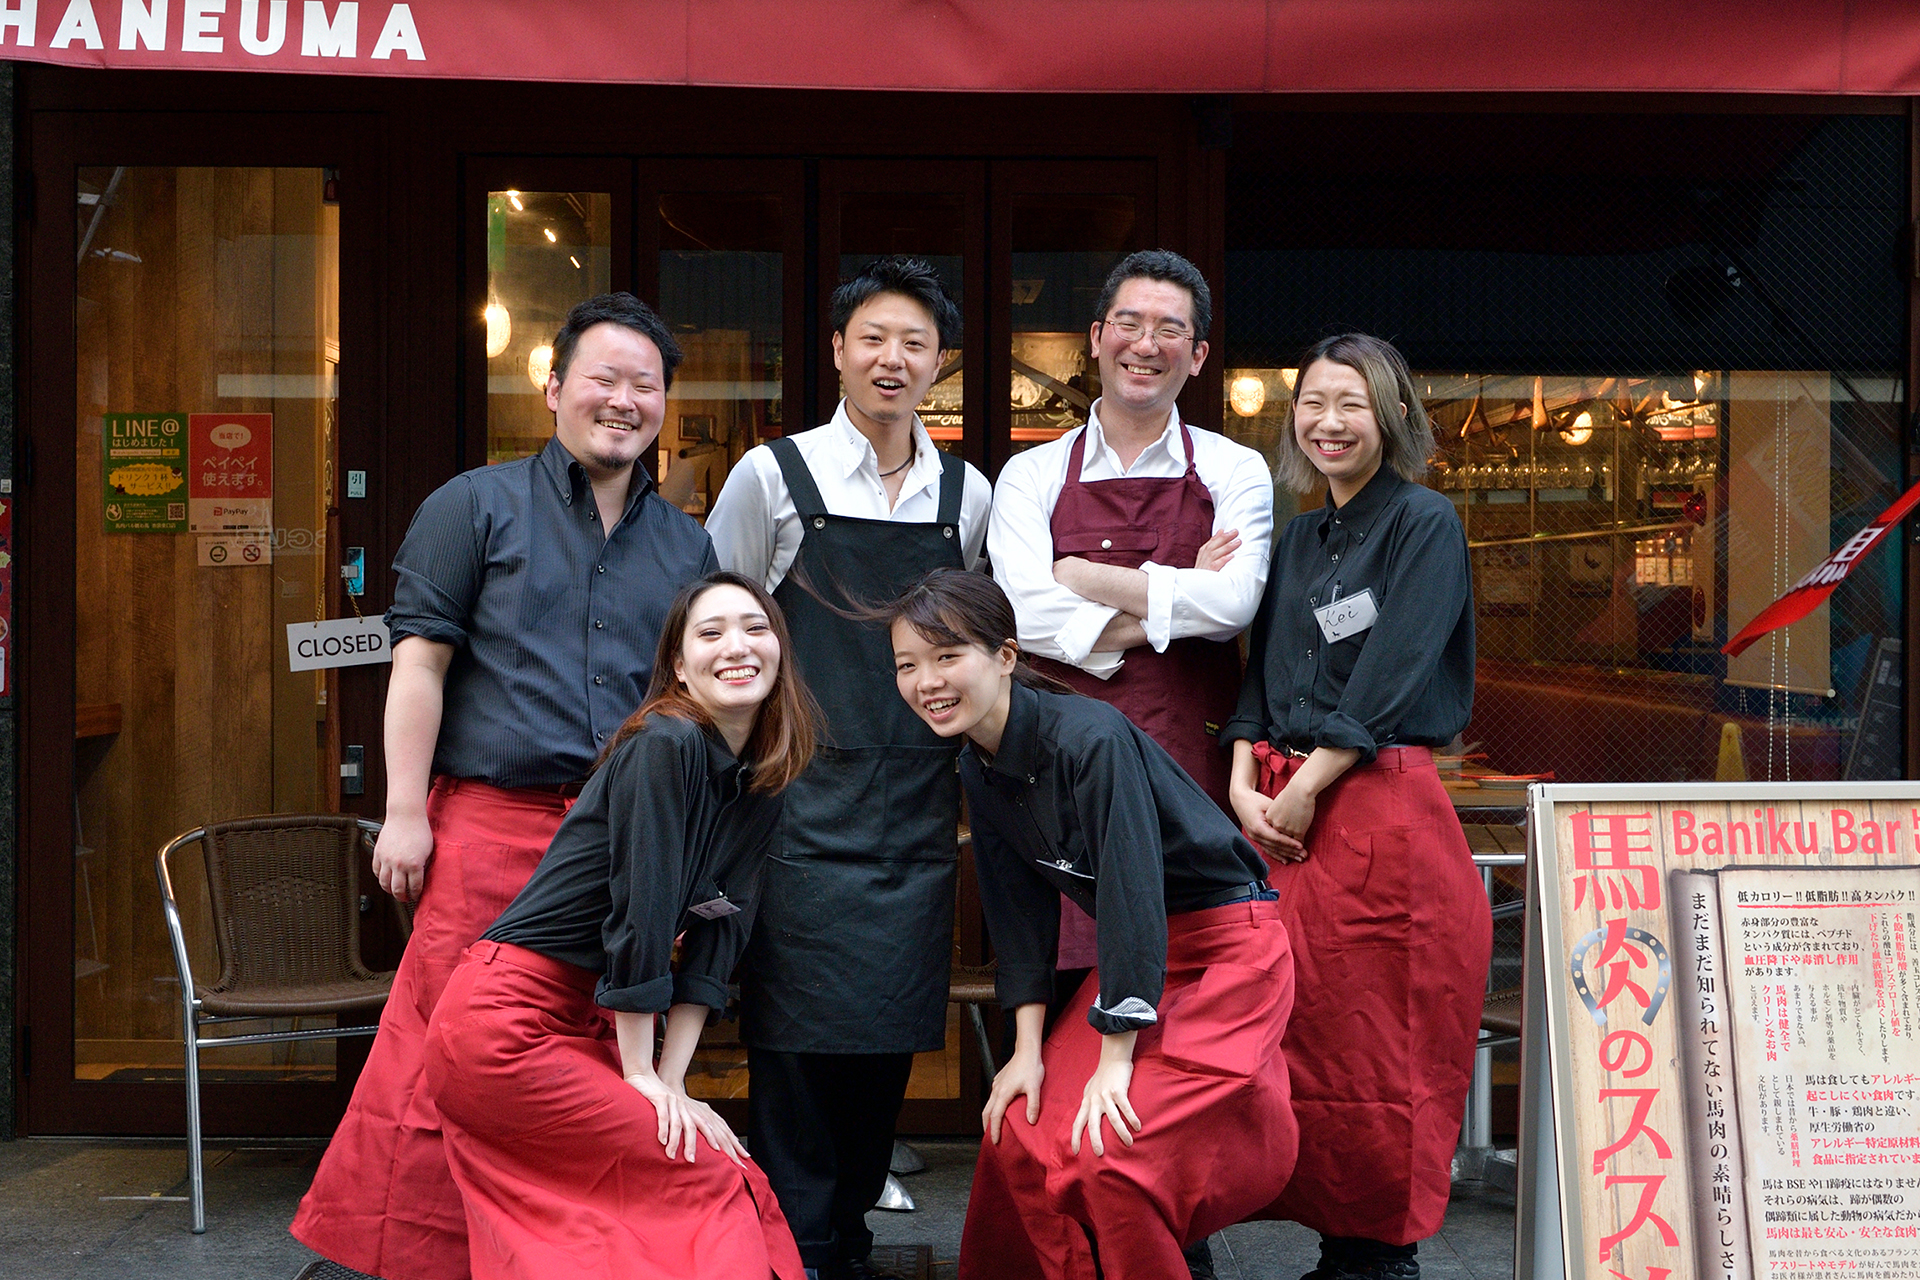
x,y
1063,247
546,251
207,345
1652,415
721,269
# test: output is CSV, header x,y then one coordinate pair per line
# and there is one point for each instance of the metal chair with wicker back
x,y
285,895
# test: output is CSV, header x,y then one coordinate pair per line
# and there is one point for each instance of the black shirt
x,y
1407,679
553,624
1080,801
665,824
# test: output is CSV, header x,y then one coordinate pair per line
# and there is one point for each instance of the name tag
x,y
714,908
1347,617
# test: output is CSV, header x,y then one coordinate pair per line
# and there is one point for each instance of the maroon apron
x,y
1210,1086
556,1156
1391,937
383,1201
1181,697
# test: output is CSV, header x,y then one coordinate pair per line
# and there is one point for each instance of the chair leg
x,y
986,1048
196,1181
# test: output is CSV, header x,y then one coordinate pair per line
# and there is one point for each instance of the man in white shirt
x,y
1134,549
846,976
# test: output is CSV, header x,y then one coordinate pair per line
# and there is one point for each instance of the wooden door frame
x,y
59,143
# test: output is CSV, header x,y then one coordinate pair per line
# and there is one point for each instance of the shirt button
x,y
593,515
1336,555
1303,702
1309,655
1106,544
599,568
600,737
598,625
1313,599
599,679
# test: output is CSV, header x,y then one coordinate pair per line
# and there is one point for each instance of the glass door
x,y
202,331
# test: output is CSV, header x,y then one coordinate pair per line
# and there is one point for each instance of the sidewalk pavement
x,y
93,1209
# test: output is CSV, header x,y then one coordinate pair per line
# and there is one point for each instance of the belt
x,y
1400,758
566,790
1252,891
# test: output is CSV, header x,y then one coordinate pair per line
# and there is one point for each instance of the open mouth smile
x,y
736,675
1333,448
1140,370
940,706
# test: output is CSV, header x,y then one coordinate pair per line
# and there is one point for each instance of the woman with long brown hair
x,y
1156,1110
577,1154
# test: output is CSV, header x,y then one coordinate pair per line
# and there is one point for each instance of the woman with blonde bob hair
x,y
1361,661
576,1153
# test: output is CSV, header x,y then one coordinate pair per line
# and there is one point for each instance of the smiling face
x,y
1141,375
887,358
1334,426
955,688
729,657
609,409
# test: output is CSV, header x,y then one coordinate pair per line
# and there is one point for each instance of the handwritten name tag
x,y
1347,617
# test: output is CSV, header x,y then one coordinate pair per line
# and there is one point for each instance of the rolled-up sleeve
x,y
1052,621
648,806
1217,604
741,522
441,566
1427,586
1113,800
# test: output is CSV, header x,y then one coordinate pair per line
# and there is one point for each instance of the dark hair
x,y
911,278
960,607
1406,436
624,310
1161,264
783,732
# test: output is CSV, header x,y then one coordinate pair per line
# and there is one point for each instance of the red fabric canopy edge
x,y
1174,46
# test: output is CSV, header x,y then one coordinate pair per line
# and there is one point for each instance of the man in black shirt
x,y
524,625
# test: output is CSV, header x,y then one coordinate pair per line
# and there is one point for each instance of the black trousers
x,y
821,1127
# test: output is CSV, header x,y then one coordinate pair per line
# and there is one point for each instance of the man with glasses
x,y
1134,548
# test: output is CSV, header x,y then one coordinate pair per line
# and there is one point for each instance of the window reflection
x,y
546,251
721,291
1063,247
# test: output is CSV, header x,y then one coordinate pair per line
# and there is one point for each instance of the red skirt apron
x,y
1211,1088
1180,698
383,1201
557,1157
1391,938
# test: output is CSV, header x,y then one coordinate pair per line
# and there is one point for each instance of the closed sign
x,y
337,642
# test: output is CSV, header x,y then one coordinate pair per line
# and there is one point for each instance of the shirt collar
x,y
721,762
851,451
569,478
1365,506
1170,439
1020,739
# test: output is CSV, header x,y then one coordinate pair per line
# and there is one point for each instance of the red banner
x,y
1174,46
1804,596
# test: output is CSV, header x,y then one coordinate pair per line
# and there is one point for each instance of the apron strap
x,y
1186,438
807,502
953,483
1076,458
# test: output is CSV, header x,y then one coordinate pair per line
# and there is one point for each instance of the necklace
x,y
911,455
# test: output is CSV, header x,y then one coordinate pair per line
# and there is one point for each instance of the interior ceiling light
x,y
499,329
1247,395
551,238
1580,430
513,198
539,365
1288,376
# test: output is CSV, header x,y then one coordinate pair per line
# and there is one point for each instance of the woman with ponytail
x,y
1157,1110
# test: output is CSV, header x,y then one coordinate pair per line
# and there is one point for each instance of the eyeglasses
x,y
1165,336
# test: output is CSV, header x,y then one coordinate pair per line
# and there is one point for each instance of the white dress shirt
x,y
1181,600
756,530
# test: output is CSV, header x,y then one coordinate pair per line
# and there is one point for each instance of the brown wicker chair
x,y
285,891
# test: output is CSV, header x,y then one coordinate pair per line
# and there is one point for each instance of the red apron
x,y
1181,697
1392,936
1210,1086
383,1201
557,1157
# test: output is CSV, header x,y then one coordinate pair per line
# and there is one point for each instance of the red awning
x,y
1176,46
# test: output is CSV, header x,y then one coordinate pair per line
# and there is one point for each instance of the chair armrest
x,y
170,907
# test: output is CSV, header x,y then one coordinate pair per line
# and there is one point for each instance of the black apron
x,y
852,949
